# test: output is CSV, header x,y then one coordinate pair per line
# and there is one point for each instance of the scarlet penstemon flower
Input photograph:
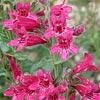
x,y
25,39
87,89
22,17
85,64
15,69
64,46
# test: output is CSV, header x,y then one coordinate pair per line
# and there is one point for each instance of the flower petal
x,y
34,40
81,89
54,49
27,6
7,23
73,49
67,9
61,98
20,47
93,68
64,54
49,33
14,42
8,92
19,6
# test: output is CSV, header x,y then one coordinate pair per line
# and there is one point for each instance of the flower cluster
x,y
59,30
30,29
40,86
23,21
86,89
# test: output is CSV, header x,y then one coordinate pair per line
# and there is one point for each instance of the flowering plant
x,y
49,28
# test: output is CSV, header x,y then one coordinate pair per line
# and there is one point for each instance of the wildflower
x,y
45,82
20,92
64,46
15,91
85,64
22,17
58,9
15,69
25,39
58,27
87,89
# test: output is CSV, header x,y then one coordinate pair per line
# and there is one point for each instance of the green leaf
x,y
18,55
4,47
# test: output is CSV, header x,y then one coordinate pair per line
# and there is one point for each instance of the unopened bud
x,y
43,1
79,30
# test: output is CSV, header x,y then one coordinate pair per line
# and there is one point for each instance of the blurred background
x,y
86,12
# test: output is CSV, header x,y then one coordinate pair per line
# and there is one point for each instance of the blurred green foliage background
x,y
85,12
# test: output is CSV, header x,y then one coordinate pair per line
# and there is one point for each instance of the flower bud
x,y
43,1
79,30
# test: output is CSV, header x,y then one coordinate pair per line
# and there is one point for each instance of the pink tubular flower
x,y
25,39
58,27
45,82
58,9
64,46
87,89
20,92
79,30
15,69
16,91
85,64
22,17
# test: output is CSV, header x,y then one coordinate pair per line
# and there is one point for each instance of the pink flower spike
x,y
15,69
